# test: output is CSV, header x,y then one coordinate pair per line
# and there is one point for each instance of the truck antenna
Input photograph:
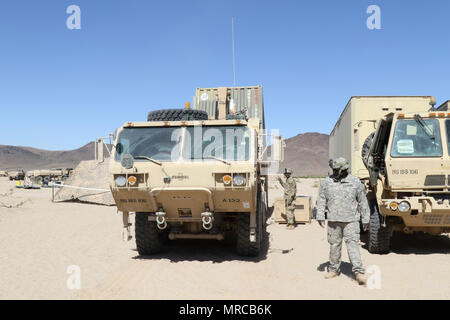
x,y
232,45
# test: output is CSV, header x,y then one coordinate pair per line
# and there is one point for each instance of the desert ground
x,y
40,240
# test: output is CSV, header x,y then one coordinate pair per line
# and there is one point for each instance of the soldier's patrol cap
x,y
287,170
339,163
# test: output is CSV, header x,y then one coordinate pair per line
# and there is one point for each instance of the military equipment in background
x,y
44,176
3,173
16,175
399,147
196,173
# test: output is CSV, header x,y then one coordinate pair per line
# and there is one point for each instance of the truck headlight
x,y
238,180
404,206
121,181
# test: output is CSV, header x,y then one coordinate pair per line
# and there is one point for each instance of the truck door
x,y
375,159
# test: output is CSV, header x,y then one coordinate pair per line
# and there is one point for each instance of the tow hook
x,y
207,220
161,220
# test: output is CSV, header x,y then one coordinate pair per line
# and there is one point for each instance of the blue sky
x,y
61,88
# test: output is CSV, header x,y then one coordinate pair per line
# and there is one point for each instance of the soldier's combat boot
x,y
361,279
331,274
290,227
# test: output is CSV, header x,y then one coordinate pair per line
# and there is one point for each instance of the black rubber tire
x,y
177,115
366,146
379,236
149,239
243,245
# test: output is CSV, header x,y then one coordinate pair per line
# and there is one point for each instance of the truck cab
x,y
409,173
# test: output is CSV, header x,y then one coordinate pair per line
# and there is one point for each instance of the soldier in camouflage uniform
x,y
290,191
341,194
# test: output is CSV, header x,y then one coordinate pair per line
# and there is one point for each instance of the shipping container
x,y
232,99
444,106
358,121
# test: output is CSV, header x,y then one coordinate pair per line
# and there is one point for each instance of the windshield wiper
x,y
149,159
219,159
422,124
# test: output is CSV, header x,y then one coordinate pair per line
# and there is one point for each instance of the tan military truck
x,y
404,163
196,173
3,173
17,175
44,176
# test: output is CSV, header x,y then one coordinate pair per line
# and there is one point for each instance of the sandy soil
x,y
39,240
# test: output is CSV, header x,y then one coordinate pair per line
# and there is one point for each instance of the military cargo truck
x,y
404,163
196,173
17,175
44,176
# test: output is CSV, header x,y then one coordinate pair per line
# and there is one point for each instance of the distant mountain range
x,y
27,158
306,154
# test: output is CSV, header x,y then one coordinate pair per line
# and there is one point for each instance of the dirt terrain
x,y
39,240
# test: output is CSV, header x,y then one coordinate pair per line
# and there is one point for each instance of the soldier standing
x,y
290,191
342,194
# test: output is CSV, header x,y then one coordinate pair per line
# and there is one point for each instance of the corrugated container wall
x,y
238,98
358,121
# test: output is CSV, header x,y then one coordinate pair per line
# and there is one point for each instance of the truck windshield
x,y
230,143
155,143
415,139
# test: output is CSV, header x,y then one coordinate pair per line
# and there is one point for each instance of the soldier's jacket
x,y
290,189
342,198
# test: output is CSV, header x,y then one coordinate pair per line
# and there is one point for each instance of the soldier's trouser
x,y
350,232
290,211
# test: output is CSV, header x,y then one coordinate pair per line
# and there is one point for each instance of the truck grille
x,y
447,220
432,219
435,180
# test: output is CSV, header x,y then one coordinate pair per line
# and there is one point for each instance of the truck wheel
x,y
177,115
243,246
379,236
366,146
148,236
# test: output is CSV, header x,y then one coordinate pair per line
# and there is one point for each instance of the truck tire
x,y
177,115
379,236
366,146
244,246
148,236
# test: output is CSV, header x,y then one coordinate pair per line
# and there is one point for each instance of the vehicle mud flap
x,y
379,236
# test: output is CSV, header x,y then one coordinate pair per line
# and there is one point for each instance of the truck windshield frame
x,y
412,140
175,143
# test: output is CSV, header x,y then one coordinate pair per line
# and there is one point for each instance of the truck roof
x,y
185,123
